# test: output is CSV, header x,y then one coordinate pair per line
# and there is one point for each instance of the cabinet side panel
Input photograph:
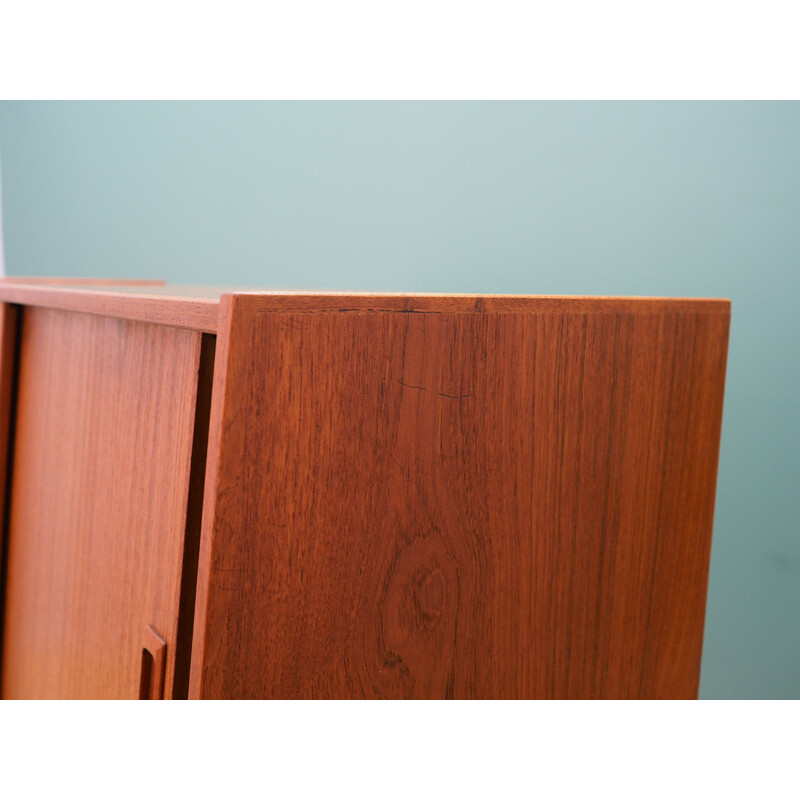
x,y
461,505
102,453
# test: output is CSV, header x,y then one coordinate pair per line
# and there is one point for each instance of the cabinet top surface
x,y
197,307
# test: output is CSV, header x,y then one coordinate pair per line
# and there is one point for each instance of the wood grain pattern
x,y
508,500
197,307
139,304
343,302
99,493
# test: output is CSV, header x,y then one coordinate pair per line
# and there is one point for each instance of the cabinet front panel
x,y
465,505
98,504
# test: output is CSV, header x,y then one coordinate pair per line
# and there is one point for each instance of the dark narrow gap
x,y
194,515
9,458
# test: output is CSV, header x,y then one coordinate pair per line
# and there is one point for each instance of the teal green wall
x,y
683,199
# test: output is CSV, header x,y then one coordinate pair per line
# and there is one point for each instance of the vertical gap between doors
x,y
10,329
194,514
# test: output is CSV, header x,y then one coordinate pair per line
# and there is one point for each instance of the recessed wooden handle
x,y
154,666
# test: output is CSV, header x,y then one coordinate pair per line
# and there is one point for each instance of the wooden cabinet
x,y
99,498
293,495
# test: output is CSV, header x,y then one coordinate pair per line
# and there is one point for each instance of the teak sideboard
x,y
227,494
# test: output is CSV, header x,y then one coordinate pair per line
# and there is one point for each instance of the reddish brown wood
x,y
495,499
196,307
194,517
99,494
405,495
154,665
342,302
143,303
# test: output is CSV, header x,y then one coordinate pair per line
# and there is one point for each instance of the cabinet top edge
x,y
144,301
197,307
